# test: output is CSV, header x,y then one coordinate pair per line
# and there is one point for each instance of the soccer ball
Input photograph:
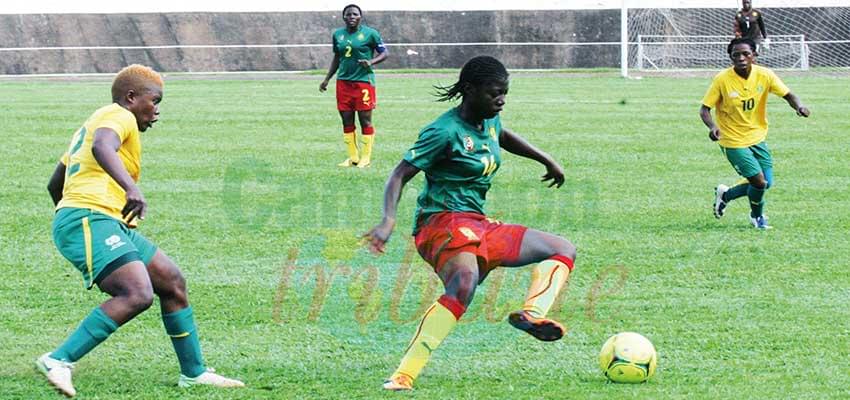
x,y
628,357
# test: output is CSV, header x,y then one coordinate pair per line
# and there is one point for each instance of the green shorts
x,y
749,161
98,244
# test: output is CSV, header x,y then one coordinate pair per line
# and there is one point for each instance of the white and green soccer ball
x,y
628,357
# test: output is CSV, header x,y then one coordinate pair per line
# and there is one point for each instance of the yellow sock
x,y
438,321
351,146
366,154
547,279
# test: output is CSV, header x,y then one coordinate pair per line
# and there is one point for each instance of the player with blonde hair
x,y
98,206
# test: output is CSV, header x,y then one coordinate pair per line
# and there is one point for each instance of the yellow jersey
x,y
87,185
741,104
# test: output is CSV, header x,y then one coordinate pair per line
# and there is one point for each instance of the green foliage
x,y
245,195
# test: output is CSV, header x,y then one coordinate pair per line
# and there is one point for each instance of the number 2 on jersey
x,y
348,51
73,168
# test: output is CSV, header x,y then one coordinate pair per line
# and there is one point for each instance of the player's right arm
x,y
57,183
331,71
378,236
713,130
105,150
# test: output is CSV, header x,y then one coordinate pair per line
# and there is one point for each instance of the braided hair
x,y
477,71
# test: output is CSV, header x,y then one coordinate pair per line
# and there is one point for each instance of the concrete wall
x,y
397,27
66,30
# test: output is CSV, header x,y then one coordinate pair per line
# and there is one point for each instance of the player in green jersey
x,y
356,49
97,206
739,94
459,153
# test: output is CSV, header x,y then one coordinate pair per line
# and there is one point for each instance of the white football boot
x,y
209,378
58,373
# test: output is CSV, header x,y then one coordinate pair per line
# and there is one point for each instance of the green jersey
x,y
351,47
459,161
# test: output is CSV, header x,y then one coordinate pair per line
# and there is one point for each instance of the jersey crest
x,y
468,144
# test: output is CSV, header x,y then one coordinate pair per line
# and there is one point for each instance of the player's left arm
x,y
57,183
381,55
761,26
736,27
516,144
796,104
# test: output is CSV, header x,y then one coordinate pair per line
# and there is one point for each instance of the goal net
x,y
811,38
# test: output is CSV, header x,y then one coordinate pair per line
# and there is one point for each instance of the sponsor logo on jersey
x,y
470,235
734,94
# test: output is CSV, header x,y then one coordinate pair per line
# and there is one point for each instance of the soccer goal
x,y
805,35
665,52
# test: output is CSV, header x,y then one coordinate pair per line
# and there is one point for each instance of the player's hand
x,y
323,86
135,205
714,134
376,239
766,44
555,174
803,111
365,63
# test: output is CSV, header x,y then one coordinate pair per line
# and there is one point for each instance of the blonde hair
x,y
134,77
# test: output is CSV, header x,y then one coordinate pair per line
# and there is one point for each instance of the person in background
x,y
749,24
357,48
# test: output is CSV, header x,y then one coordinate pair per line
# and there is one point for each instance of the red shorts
x,y
355,96
448,233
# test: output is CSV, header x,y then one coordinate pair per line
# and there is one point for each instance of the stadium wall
x,y
565,39
298,28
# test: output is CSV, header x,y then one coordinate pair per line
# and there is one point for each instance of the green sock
x,y
94,329
756,201
736,191
180,325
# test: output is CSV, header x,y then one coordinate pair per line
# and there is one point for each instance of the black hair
x,y
741,40
352,5
477,71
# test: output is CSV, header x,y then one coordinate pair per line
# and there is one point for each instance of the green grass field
x,y
245,195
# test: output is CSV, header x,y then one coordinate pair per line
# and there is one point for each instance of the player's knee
x,y
564,247
139,299
174,289
758,182
462,284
